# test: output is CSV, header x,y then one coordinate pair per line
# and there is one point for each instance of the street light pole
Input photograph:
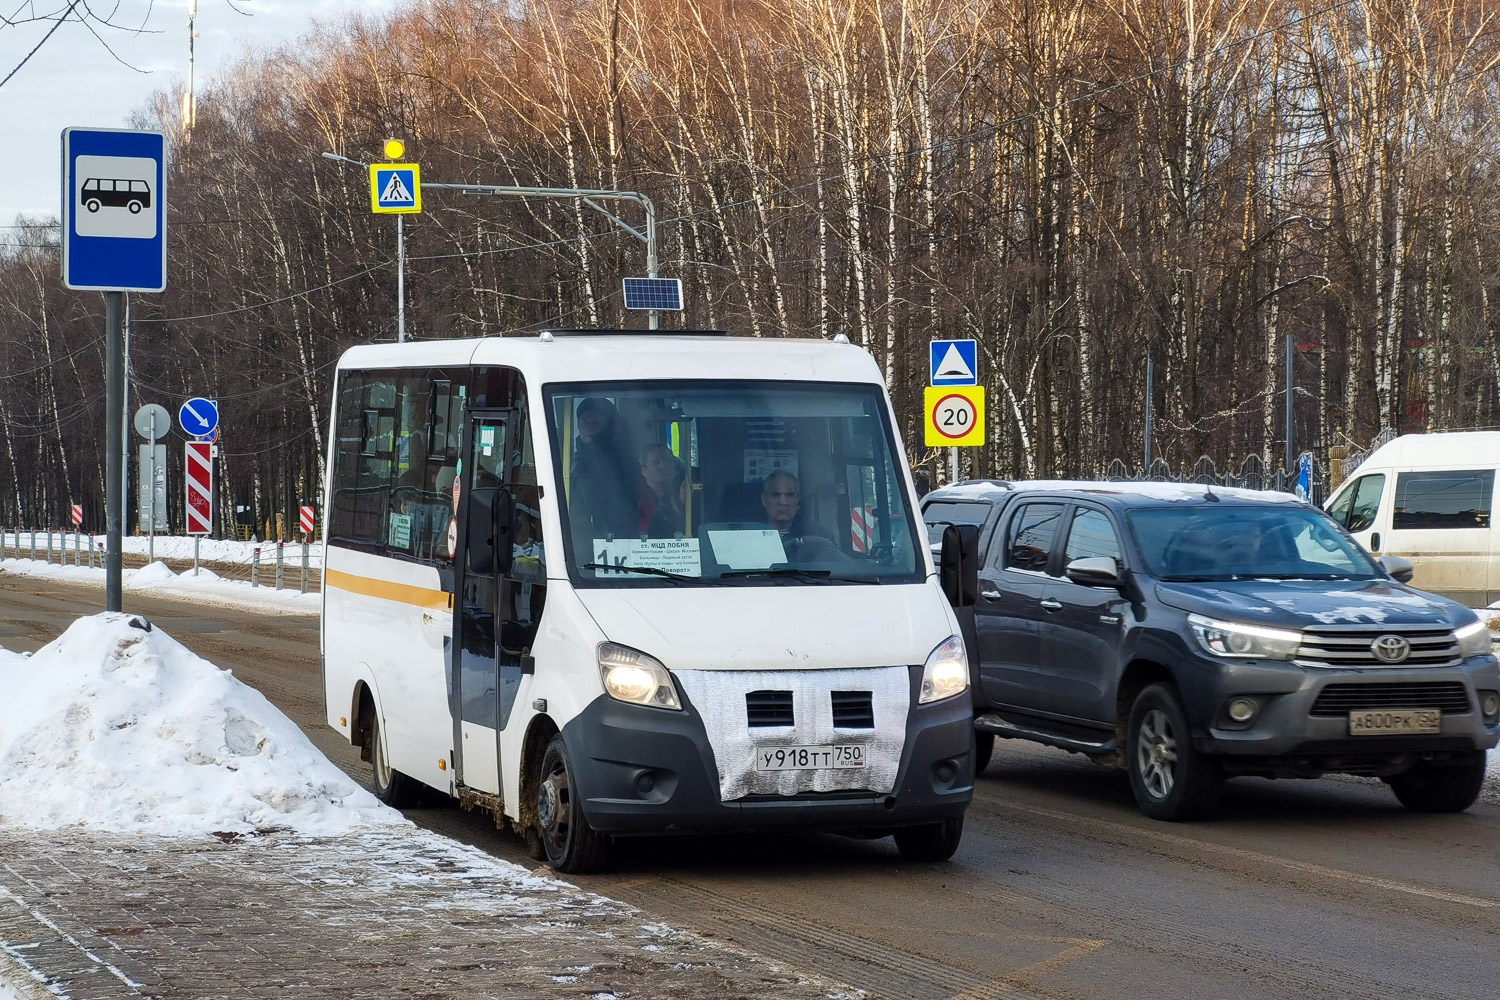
x,y
589,196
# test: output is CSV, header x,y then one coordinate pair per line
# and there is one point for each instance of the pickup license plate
x,y
809,758
1385,722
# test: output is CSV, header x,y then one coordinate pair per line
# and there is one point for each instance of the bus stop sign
x,y
114,218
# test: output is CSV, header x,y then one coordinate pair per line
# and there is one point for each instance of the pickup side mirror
x,y
1095,571
491,514
1401,570
958,564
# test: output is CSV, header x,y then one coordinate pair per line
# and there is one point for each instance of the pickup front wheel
x,y
1450,786
1170,779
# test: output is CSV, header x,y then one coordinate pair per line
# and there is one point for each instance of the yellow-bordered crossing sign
x,y
395,187
955,415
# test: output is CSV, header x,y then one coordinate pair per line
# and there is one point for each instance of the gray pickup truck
x,y
1191,634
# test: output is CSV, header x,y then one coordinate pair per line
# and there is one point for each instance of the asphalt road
x,y
1061,889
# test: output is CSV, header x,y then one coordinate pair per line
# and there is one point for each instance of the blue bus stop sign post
x,y
114,240
114,210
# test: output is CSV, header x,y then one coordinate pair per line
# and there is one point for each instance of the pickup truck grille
x,y
1430,647
769,708
1341,699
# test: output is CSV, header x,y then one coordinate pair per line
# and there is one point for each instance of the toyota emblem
x,y
1390,649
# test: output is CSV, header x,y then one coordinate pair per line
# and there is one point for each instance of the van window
x,y
1457,499
1366,494
956,511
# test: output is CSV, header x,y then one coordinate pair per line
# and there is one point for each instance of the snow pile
x,y
116,728
152,575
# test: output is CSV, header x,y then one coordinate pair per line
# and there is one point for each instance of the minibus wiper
x,y
645,570
802,574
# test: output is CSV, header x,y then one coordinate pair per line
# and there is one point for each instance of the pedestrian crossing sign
x,y
395,187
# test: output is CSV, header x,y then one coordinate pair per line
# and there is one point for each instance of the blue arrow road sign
x,y
114,213
199,416
954,362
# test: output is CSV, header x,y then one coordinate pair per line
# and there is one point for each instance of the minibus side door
x,y
476,680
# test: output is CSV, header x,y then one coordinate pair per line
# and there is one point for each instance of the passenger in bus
x,y
660,503
781,497
602,480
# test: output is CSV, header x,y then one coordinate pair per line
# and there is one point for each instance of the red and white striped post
x,y
307,515
200,491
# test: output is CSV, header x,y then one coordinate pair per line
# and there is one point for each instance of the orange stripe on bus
x,y
402,593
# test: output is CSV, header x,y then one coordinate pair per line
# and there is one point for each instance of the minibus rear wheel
x,y
391,786
571,845
930,841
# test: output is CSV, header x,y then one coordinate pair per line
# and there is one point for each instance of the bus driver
x,y
781,497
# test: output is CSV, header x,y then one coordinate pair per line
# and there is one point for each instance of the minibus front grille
x,y
769,708
852,710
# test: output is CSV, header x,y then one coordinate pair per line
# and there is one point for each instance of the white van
x,y
604,583
1430,498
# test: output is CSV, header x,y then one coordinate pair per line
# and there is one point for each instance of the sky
x,y
76,80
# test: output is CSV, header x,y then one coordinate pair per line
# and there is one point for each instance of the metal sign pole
x,y
400,279
151,532
114,447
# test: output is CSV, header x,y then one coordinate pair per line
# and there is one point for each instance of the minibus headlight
x,y
1473,640
630,675
946,672
1238,640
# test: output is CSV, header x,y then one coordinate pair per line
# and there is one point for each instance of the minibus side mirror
x,y
491,514
1094,571
1401,570
958,564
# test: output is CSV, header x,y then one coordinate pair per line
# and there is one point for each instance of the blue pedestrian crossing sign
x,y
395,187
954,362
199,417
114,214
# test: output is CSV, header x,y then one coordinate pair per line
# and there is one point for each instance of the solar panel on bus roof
x,y
653,293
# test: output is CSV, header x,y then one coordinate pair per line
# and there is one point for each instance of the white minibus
x,y
614,583
1429,498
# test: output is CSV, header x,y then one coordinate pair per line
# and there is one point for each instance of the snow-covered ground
x,y
115,726
205,587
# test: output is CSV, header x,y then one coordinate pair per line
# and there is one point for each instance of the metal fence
x,y
1251,474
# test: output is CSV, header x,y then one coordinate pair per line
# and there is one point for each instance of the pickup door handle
x,y
990,595
1051,603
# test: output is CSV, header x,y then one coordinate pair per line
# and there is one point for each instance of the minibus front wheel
x,y
930,841
571,845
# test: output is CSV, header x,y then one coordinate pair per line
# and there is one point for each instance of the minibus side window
x,y
1457,499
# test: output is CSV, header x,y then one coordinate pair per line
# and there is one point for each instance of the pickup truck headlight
x,y
1233,639
1473,639
630,675
946,672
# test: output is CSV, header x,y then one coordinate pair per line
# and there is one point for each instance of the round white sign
x,y
954,416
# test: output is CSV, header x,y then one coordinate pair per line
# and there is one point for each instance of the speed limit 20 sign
x,y
955,415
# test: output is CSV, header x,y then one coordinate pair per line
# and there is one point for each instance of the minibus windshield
x,y
729,483
1272,541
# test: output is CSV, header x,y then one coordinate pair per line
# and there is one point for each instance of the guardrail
x,y
54,545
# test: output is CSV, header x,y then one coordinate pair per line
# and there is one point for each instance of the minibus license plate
x,y
1396,720
809,758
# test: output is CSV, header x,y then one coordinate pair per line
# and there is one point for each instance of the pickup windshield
x,y
1272,541
730,483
